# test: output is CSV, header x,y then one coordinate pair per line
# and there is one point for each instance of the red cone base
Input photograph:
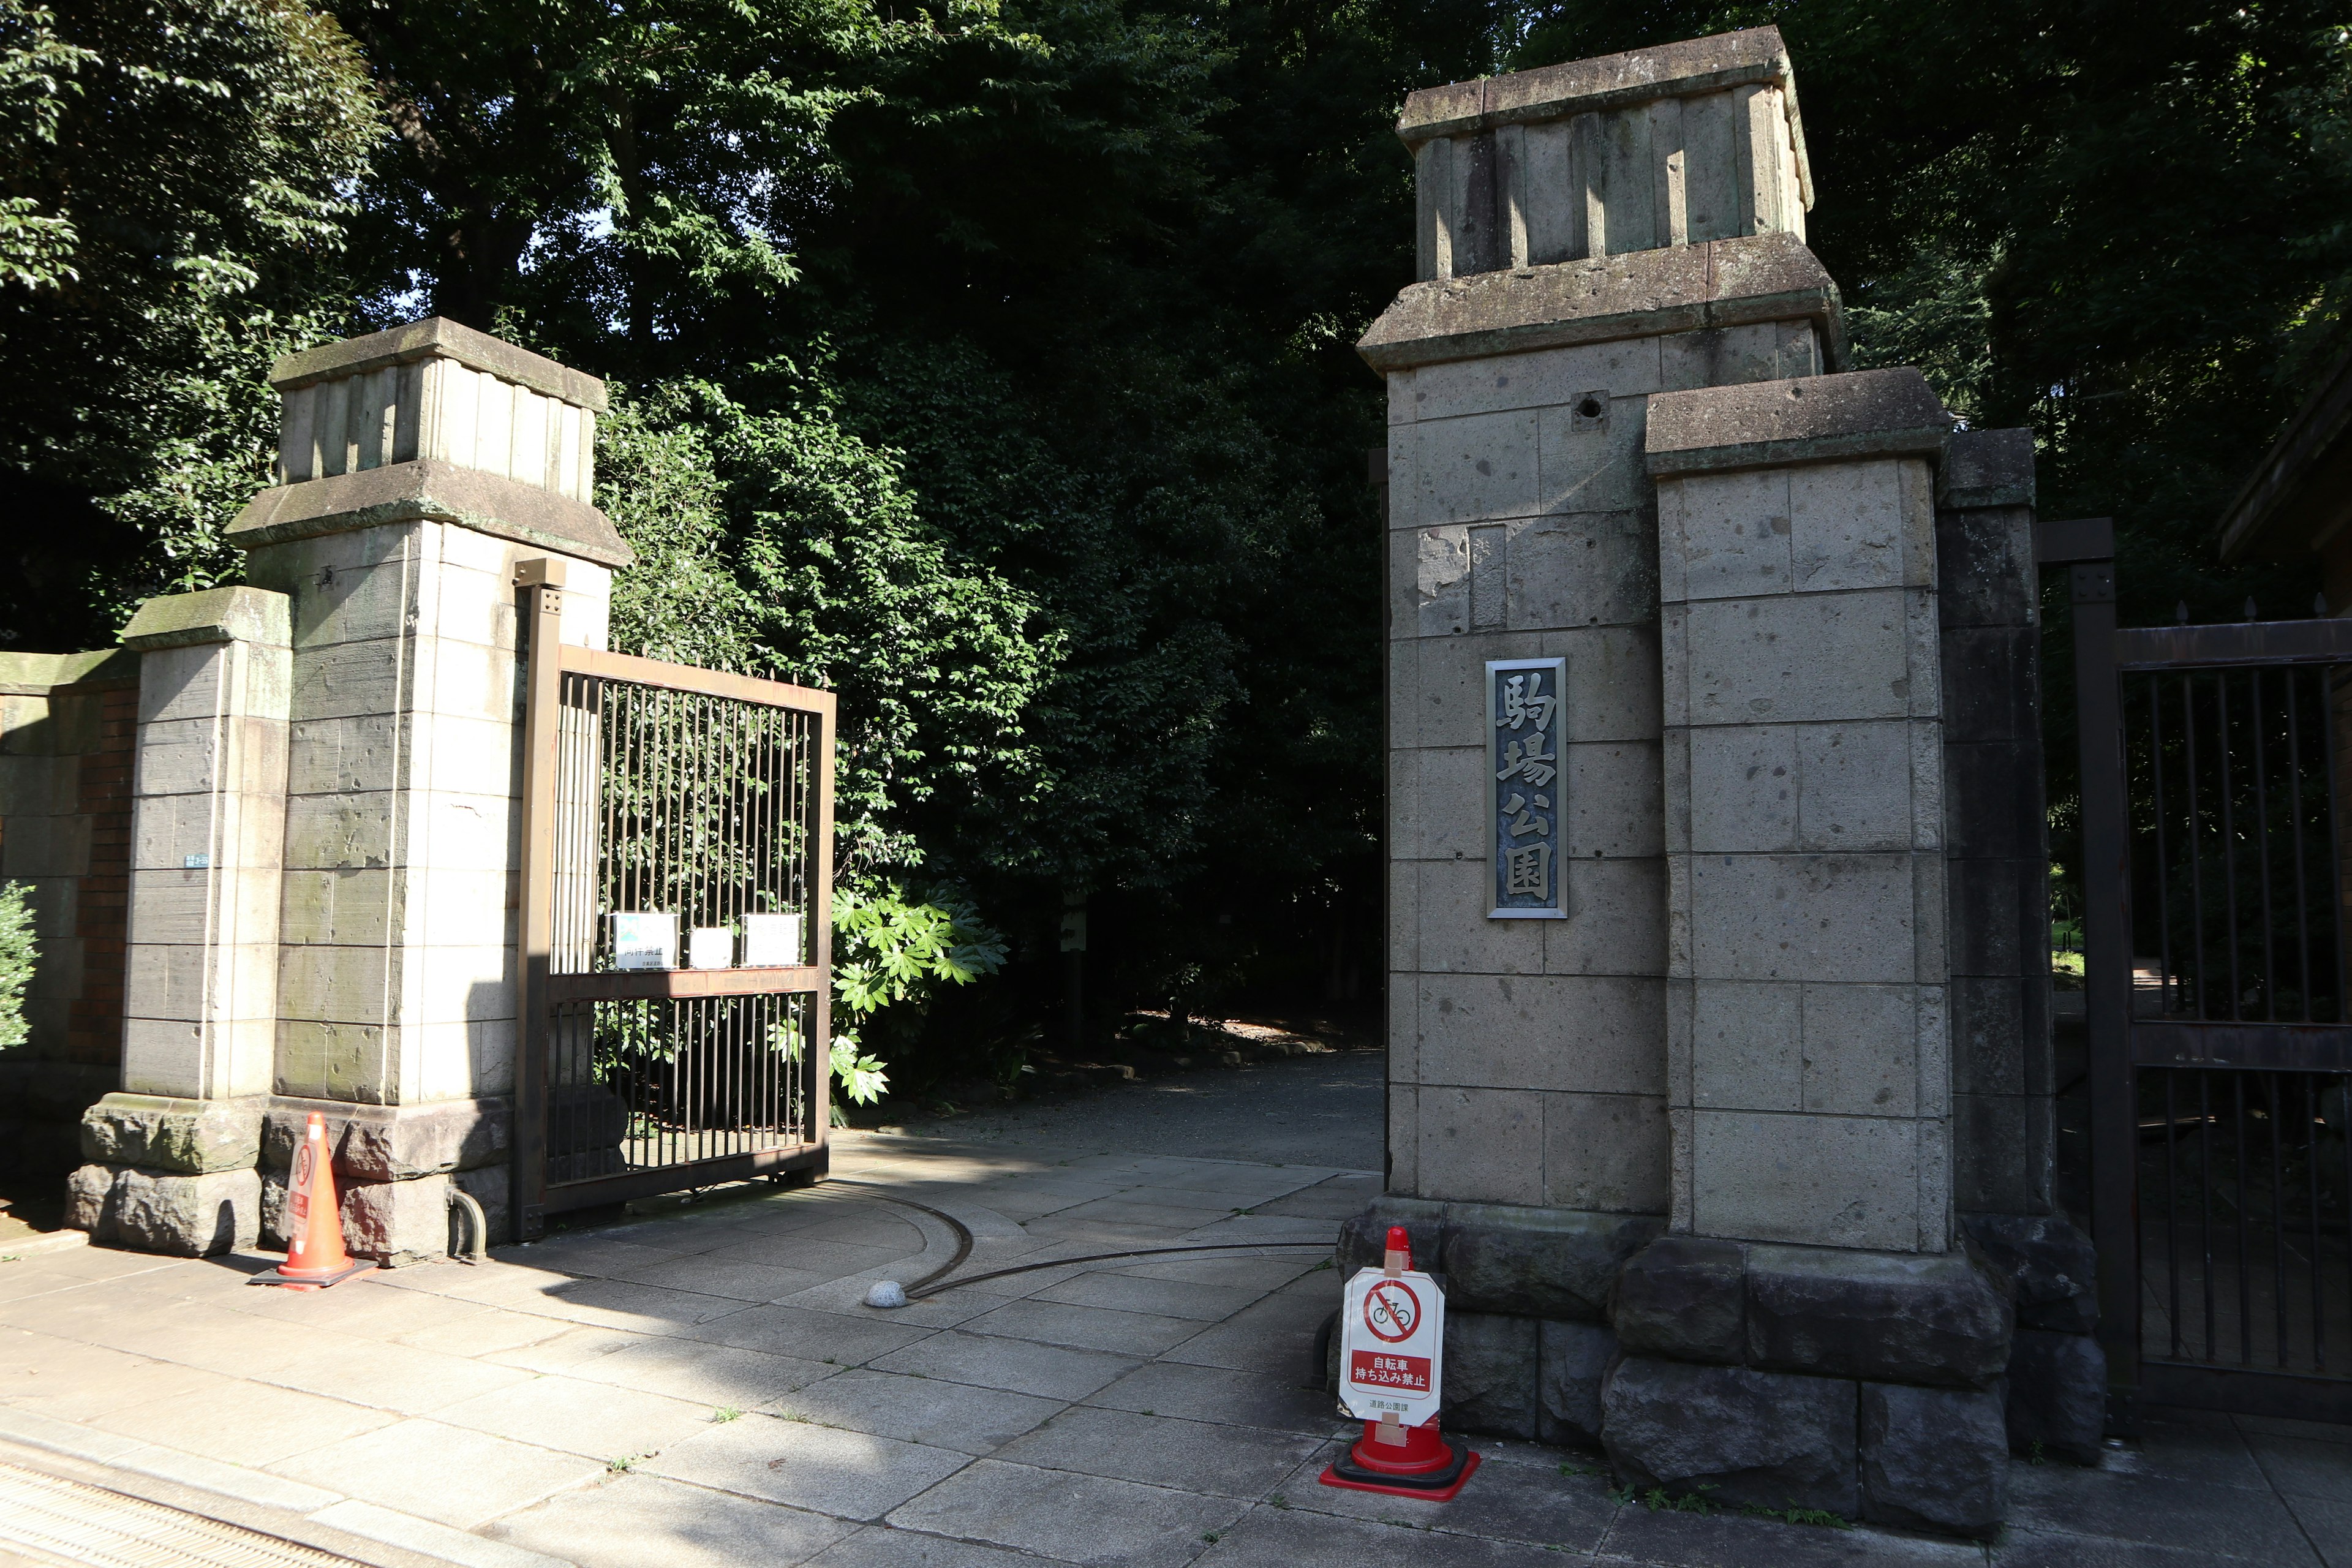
x,y
307,1281
1425,1466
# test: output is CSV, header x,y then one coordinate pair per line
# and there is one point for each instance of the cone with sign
x,y
315,1257
1392,1350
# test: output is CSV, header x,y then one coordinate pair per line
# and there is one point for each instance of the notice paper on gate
x,y
1391,1346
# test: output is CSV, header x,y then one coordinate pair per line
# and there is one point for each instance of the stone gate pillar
x,y
419,468
1677,792
172,1156
325,912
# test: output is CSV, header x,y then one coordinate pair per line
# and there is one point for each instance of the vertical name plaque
x,y
1525,788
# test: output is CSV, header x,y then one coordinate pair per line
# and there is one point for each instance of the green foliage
x,y
1792,1514
2126,233
17,952
173,178
888,950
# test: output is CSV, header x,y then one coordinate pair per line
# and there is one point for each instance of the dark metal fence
x,y
2233,851
2220,1054
665,802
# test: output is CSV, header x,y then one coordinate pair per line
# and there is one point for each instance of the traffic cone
x,y
1394,1458
315,1257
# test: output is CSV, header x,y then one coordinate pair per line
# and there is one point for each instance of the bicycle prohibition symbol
x,y
1391,1311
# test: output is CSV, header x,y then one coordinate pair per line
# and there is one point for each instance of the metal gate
x,y
2220,1048
676,878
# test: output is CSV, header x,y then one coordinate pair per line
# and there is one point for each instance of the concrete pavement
x,y
704,1387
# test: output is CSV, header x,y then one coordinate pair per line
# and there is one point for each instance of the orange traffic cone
x,y
315,1257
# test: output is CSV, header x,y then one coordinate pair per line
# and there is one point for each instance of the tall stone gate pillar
x,y
1674,781
330,767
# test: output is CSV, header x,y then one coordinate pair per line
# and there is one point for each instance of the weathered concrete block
x,y
2057,1395
1685,1297
1573,1362
1934,1458
167,1133
1491,1374
185,1216
1841,1181
392,1142
1898,1318
1364,1239
2049,1265
1739,1437
392,1223
398,1223
1607,1153
1490,1031
1537,1262
89,1201
1482,1145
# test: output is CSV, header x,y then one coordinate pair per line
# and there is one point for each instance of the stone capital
x,y
1810,419
213,616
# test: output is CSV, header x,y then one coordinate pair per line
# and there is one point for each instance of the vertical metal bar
x,y
2107,986
541,625
2205,1196
820,874
2166,979
2294,816
2172,1204
2278,1210
2196,847
2228,842
2310,1173
2262,842
2335,833
2245,1218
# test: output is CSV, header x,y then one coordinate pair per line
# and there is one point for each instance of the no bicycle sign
x,y
1393,1326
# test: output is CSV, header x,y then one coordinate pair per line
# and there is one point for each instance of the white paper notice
x,y
644,942
711,947
770,941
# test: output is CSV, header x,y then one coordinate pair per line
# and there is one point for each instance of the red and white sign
x,y
1392,1330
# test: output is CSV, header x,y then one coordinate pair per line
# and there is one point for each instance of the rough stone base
x,y
1736,1436
174,1213
1490,1381
394,1224
1572,1361
391,1143
2057,1395
2049,1265
1934,1458
162,1133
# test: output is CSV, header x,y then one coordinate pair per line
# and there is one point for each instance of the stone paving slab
x,y
631,1520
1130,1410
1071,1518
850,1474
920,1409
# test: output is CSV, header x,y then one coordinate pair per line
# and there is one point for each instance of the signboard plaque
x,y
645,940
1526,788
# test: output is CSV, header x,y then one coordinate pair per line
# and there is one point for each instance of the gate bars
x,y
706,797
2215,989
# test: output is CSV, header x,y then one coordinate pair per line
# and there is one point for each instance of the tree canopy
x,y
991,362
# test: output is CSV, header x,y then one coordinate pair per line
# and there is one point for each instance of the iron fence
x,y
678,852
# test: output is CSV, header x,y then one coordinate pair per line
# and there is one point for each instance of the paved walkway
x,y
704,1388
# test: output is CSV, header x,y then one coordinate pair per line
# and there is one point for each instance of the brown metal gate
x,y
2221,1045
660,797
